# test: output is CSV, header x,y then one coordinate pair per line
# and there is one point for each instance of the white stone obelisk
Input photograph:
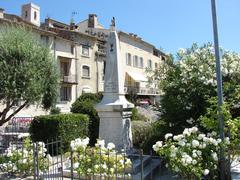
x,y
114,110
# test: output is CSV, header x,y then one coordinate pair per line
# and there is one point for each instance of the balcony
x,y
71,79
140,90
101,52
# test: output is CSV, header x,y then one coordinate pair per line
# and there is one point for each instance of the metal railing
x,y
71,78
140,90
48,161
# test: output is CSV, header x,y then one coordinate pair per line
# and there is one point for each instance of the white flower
x,y
193,129
219,140
181,143
76,165
188,160
214,142
159,143
121,161
110,146
85,142
195,143
201,136
111,170
194,162
186,132
214,156
128,161
199,153
104,166
100,143
73,145
168,135
194,155
227,140
49,157
206,172
155,148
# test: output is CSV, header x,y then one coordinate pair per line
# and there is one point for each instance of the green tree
x,y
27,74
190,82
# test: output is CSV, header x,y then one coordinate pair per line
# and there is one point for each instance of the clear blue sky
x,y
170,24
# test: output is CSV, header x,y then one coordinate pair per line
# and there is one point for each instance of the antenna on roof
x,y
73,14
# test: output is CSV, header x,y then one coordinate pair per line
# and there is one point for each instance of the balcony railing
x,y
69,79
101,52
140,90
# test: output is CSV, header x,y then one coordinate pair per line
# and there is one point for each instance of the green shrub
x,y
145,134
136,116
55,110
85,104
156,133
64,126
140,131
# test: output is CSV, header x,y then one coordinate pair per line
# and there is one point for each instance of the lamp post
x,y
224,171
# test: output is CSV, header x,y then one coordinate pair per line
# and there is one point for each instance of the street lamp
x,y
224,171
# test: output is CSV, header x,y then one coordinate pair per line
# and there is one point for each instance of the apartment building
x,y
79,51
137,55
86,66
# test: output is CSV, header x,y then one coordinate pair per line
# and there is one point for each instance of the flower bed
x,y
192,154
19,160
98,161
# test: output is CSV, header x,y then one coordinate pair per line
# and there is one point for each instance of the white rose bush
x,y
190,81
19,160
101,160
191,154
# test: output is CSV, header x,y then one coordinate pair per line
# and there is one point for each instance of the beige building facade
x,y
79,52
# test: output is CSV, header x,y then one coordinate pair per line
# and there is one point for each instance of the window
x,y
26,14
135,61
128,59
141,62
45,39
35,15
65,93
85,50
86,71
64,68
72,49
156,65
150,63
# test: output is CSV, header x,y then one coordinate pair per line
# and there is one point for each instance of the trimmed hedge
x,y
65,126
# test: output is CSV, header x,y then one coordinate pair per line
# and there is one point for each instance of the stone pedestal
x,y
115,126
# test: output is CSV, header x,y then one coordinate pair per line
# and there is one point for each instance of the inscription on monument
x,y
111,87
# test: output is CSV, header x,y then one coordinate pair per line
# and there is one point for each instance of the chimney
x,y
1,13
92,21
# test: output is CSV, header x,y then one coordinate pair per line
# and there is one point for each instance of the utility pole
x,y
224,168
